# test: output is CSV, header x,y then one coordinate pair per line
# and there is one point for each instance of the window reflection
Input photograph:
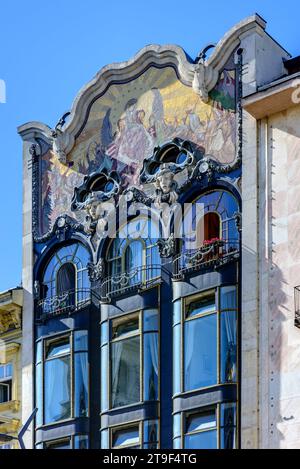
x,y
201,430
200,352
125,356
65,379
127,437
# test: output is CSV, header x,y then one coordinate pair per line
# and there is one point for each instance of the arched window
x,y
212,218
65,279
133,256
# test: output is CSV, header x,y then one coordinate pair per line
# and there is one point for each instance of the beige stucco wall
x,y
278,274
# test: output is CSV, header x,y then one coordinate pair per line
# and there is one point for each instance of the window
x,y
212,217
212,226
130,375
5,446
134,436
6,376
58,381
209,340
73,442
201,430
65,281
200,343
64,372
133,256
126,437
125,355
61,444
209,428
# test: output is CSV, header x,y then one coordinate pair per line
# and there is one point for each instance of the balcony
x,y
214,254
137,279
66,303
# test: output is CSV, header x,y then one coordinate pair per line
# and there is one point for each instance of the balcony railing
x,y
66,303
214,253
136,279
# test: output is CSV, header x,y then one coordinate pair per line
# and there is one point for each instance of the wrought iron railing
x,y
215,253
138,278
68,302
297,306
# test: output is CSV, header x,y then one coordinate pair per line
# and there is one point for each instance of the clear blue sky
x,y
49,49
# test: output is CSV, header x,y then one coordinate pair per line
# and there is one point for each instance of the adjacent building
x,y
160,254
10,367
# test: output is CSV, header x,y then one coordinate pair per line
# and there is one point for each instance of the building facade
x,y
147,295
10,367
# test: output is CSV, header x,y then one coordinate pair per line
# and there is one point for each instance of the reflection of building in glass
x,y
156,336
11,302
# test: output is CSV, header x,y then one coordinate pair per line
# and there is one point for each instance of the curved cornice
x,y
202,77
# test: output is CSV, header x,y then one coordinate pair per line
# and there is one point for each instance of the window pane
x,y
81,442
177,425
104,333
201,421
126,327
202,440
228,426
228,298
65,279
127,437
228,346
104,439
150,431
104,375
200,352
150,367
80,341
39,395
228,414
125,372
206,304
134,255
59,445
150,320
177,312
60,347
4,392
81,384
6,371
177,359
57,390
39,352
177,443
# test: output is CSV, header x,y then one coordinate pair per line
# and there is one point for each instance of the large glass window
x,y
125,356
58,381
63,374
134,359
209,339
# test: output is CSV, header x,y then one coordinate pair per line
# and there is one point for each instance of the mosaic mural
x,y
126,123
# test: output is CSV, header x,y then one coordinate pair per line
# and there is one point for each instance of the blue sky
x,y
50,49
